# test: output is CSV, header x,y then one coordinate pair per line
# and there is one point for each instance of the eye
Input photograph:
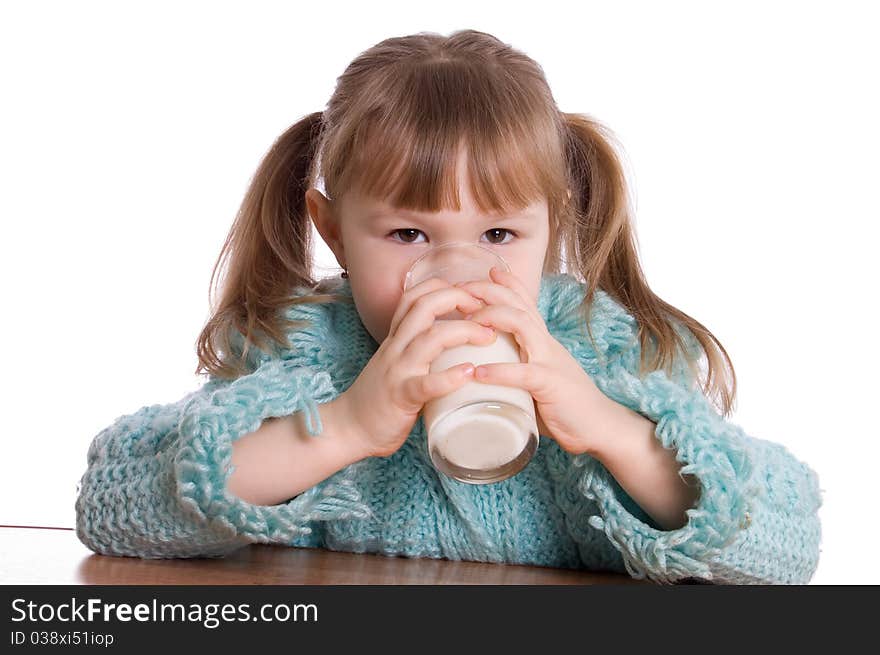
x,y
500,229
409,233
405,230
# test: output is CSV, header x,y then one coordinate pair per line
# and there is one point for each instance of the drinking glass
x,y
480,433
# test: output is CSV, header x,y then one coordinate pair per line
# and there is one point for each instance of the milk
x,y
489,436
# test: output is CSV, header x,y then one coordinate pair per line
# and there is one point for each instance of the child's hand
x,y
564,394
385,400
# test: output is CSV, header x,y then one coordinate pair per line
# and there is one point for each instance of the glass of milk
x,y
479,433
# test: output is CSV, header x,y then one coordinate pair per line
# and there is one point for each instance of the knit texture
x,y
155,482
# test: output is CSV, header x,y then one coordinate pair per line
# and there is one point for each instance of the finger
x,y
425,347
414,293
421,389
494,292
423,313
531,377
410,296
510,280
504,318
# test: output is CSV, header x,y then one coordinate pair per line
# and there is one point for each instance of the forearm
x,y
647,472
281,460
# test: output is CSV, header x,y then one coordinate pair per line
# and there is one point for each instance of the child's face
x,y
377,245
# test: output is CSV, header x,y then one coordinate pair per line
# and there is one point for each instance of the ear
x,y
326,221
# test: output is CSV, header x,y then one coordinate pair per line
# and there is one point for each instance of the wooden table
x,y
40,555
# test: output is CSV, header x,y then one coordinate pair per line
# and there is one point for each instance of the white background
x,y
129,135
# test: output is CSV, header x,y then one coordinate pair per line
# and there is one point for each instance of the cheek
x,y
386,304
376,301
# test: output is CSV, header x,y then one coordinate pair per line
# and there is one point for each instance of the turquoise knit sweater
x,y
155,482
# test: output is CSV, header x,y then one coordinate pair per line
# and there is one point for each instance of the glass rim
x,y
452,244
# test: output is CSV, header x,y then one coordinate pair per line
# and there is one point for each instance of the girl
x,y
308,431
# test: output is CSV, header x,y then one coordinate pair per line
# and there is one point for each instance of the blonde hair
x,y
392,129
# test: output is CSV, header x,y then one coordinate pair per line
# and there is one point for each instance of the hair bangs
x,y
410,153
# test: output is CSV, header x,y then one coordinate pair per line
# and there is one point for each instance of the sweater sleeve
x,y
155,483
756,520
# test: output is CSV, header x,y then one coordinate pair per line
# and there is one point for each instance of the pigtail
x,y
269,252
601,244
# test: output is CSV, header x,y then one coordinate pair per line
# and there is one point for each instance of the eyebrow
x,y
396,214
